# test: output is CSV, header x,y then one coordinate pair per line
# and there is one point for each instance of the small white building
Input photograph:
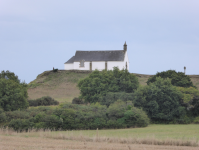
x,y
91,60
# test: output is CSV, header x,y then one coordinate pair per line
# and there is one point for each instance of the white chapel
x,y
91,60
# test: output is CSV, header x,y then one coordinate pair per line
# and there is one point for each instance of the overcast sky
x,y
37,35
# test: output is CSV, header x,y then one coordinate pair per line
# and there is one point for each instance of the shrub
x,y
55,70
126,115
77,101
52,122
13,95
98,84
20,124
160,100
44,101
190,99
196,120
72,116
177,78
10,115
112,97
2,117
136,118
1,110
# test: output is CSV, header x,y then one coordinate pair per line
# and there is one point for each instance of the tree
x,y
160,100
177,78
97,84
190,99
9,75
13,94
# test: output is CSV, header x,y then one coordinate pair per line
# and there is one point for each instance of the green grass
x,y
183,132
64,100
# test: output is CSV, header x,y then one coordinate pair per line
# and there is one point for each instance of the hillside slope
x,y
62,85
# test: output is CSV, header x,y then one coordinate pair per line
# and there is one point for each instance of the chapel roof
x,y
110,55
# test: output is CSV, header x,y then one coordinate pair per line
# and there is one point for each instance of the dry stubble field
x,y
154,137
38,143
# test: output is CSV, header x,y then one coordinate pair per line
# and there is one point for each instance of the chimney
x,y
184,69
125,47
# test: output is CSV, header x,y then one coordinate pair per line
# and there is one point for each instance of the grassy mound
x,y
62,85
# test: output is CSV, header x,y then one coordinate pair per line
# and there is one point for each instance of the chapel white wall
x,y
111,64
68,66
99,65
86,66
126,59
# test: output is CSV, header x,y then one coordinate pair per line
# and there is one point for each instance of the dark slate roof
x,y
115,55
71,60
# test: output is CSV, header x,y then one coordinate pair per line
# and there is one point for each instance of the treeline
x,y
72,116
168,97
109,99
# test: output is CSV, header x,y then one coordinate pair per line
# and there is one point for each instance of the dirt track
x,y
38,143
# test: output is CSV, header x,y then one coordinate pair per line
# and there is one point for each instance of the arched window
x,y
81,63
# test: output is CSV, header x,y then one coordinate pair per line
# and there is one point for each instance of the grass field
x,y
161,132
62,85
164,137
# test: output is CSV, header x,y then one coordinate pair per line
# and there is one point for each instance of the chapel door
x,y
90,66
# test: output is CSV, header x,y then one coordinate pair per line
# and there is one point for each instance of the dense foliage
x,y
177,78
72,116
98,84
161,101
77,101
190,100
111,97
43,101
13,94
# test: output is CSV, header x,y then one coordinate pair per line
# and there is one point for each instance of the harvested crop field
x,y
38,143
154,137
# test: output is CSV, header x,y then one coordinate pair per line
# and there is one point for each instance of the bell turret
x,y
125,47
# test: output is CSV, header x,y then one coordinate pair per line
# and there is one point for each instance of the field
x,y
154,137
62,85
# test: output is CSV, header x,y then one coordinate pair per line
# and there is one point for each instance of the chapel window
x,y
81,63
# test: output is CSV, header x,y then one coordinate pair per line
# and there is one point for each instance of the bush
x,y
20,125
13,94
196,120
177,78
77,101
160,100
72,116
10,115
126,115
2,117
136,118
190,100
98,84
55,70
112,97
1,110
44,101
